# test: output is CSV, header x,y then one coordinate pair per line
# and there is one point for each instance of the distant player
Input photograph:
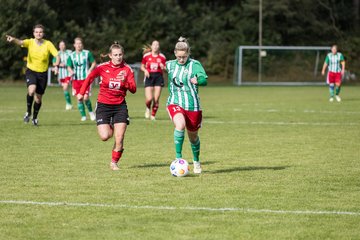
x,y
153,65
80,63
183,104
335,63
39,51
63,75
111,113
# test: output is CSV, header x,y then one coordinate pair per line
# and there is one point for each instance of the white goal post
x,y
279,65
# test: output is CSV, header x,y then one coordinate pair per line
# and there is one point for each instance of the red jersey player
x,y
111,113
153,64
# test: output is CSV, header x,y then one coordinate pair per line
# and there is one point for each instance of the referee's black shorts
x,y
36,78
110,114
155,79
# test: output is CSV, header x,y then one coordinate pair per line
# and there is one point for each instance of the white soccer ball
x,y
179,168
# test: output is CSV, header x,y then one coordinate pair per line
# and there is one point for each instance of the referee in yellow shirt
x,y
39,51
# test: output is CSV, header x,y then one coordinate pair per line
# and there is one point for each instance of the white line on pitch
x,y
283,123
209,209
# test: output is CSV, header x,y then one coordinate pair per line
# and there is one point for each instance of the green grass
x,y
284,149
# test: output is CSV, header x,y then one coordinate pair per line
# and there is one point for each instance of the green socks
x,y
67,97
195,147
178,140
81,108
337,90
331,89
88,105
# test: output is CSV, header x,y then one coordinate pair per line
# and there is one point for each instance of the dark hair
x,y
39,26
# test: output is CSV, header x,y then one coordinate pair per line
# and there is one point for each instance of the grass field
x,y
278,163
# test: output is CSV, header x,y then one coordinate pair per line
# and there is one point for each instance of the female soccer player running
x,y
63,75
80,63
111,113
183,104
153,64
335,63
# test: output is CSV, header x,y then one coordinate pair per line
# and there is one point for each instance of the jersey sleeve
x,y
52,49
200,73
91,57
89,79
342,59
130,81
69,62
25,43
327,59
143,60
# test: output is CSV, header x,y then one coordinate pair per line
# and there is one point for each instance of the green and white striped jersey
x,y
181,91
63,72
334,61
80,63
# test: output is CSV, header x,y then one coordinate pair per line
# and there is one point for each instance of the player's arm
x,y
89,79
14,40
143,68
200,77
92,61
130,83
342,62
69,65
325,65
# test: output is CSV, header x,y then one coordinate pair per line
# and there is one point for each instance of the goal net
x,y
279,65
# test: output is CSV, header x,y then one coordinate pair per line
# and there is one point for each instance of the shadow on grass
x,y
248,168
156,165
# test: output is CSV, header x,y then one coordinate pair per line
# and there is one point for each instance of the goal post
x,y
279,65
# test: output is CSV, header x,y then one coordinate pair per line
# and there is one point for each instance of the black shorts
x,y
110,114
36,78
155,79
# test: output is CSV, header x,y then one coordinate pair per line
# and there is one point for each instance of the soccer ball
x,y
179,168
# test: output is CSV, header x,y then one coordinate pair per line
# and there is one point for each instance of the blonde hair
x,y
146,48
182,45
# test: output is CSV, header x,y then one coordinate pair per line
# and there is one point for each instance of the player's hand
x,y
323,73
162,66
146,73
80,97
9,38
342,72
194,80
56,70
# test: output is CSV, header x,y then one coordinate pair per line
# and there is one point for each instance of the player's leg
x,y
41,85
31,88
76,86
178,118
338,87
331,80
120,120
118,149
159,83
155,107
193,124
65,85
148,99
89,106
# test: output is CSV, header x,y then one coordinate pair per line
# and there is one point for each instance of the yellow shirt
x,y
38,55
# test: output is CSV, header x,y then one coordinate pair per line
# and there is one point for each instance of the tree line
x,y
214,27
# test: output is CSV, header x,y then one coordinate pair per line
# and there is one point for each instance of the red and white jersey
x,y
115,80
152,63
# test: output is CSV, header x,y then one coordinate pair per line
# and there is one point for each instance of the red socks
x,y
116,155
154,109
